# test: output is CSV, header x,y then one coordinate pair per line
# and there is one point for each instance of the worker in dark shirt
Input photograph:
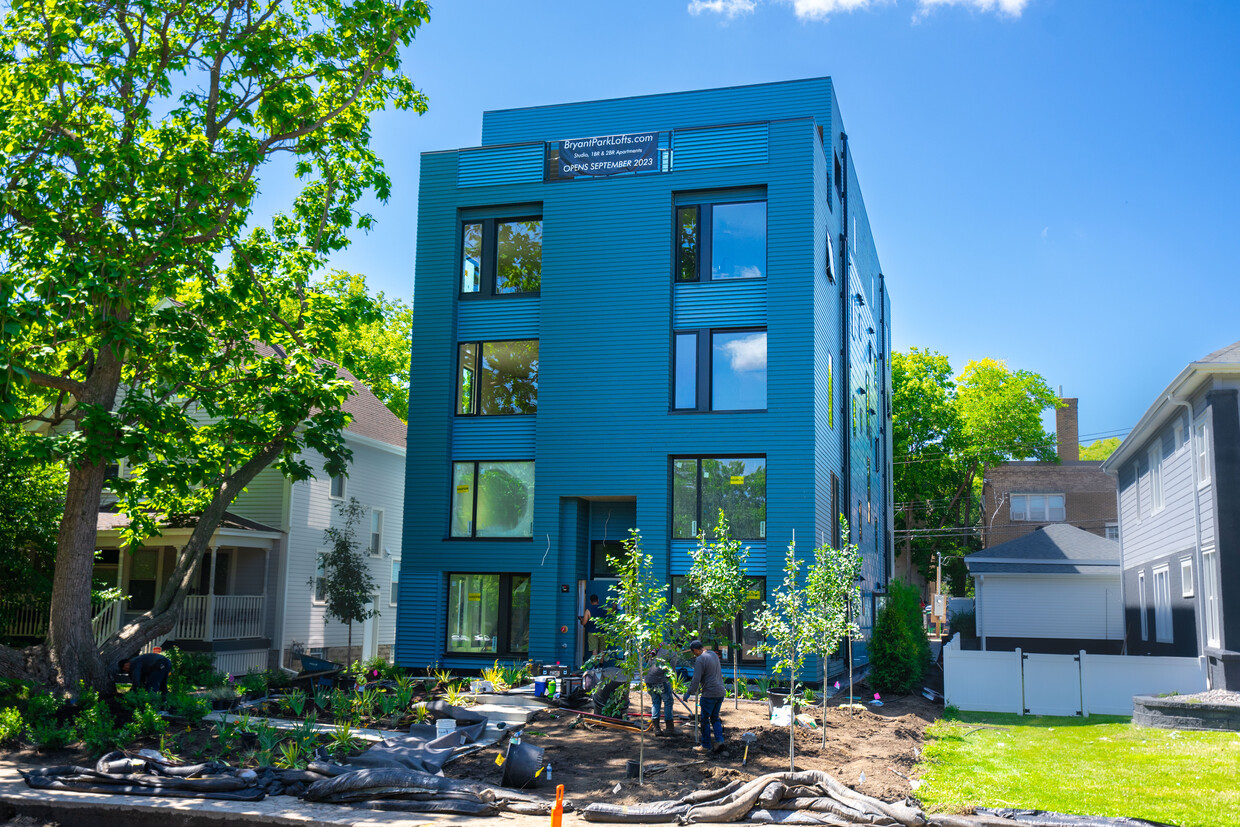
x,y
707,674
149,672
594,634
659,685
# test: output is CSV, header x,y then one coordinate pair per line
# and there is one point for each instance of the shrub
x,y
964,622
899,650
147,723
11,725
46,733
97,730
193,669
184,705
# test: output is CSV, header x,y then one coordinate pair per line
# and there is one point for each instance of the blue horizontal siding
x,y
506,318
681,562
723,146
493,437
719,304
500,165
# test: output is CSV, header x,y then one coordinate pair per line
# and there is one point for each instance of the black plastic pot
x,y
521,765
778,699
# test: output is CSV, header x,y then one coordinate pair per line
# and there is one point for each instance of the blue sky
x,y
1050,182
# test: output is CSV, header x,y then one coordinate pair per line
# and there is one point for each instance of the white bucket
x,y
444,726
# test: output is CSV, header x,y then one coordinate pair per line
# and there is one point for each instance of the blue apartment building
x,y
633,313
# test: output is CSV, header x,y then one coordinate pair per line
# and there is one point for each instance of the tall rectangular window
x,y
501,256
394,593
1145,618
376,532
1163,632
488,614
702,487
1201,451
497,378
492,499
336,490
721,240
320,578
1156,487
1211,586
730,376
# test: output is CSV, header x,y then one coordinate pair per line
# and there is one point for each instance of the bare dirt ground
x,y
883,743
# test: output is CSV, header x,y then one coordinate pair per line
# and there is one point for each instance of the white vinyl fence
x,y
1081,684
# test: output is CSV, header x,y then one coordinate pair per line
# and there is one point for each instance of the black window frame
x,y
704,208
603,545
701,522
503,615
477,412
747,656
489,257
473,535
704,387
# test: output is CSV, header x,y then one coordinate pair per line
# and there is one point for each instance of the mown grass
x,y
1100,765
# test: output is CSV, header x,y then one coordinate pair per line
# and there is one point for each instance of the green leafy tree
x,y
378,350
1099,449
793,629
348,586
719,586
899,650
32,496
832,589
641,620
134,134
946,431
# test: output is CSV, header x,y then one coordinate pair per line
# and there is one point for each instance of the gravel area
x,y
1222,697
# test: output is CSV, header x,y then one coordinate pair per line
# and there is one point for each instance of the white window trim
x,y
1201,452
1028,518
1114,526
1157,496
1145,619
1211,588
321,554
1163,631
1187,588
376,549
1178,435
396,582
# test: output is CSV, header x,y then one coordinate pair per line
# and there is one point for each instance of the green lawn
x,y
1100,765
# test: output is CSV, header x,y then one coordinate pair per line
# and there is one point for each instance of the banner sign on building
x,y
609,155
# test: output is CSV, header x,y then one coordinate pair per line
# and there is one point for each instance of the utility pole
x,y
938,594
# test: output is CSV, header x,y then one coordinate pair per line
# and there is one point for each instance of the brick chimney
x,y
1066,432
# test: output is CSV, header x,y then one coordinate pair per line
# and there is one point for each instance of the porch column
x,y
210,632
266,591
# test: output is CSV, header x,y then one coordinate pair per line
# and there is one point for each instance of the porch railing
x,y
234,616
30,619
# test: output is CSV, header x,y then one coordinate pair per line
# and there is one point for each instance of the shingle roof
x,y
1058,548
1229,354
371,418
111,520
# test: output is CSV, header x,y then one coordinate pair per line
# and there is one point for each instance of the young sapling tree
x,y
831,586
347,585
719,584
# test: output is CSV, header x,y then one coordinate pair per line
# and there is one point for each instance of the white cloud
x,y
749,271
1011,8
821,9
728,8
1045,230
748,353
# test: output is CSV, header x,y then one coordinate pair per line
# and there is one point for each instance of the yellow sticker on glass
x,y
738,480
461,489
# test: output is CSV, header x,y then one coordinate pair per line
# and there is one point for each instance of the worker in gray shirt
x,y
659,684
708,674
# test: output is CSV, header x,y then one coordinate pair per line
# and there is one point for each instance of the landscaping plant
x,y
719,586
899,650
832,589
346,580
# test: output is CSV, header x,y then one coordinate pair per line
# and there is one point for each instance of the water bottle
x,y
548,772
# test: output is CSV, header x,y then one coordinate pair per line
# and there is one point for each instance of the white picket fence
x,y
1081,684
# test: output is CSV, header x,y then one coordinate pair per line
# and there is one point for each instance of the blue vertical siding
x,y
603,435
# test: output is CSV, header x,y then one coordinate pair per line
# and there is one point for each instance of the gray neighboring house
x,y
1179,515
1055,590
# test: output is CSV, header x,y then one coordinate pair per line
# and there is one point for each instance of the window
x,y
1145,620
337,487
492,499
1211,588
835,511
1201,452
702,487
600,550
394,592
734,247
1112,531
488,614
501,256
731,376
1186,577
1038,508
1162,605
830,393
320,578
830,263
376,532
743,629
1156,489
497,378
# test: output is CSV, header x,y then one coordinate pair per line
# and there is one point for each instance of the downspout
x,y
1197,555
845,337
977,608
1123,597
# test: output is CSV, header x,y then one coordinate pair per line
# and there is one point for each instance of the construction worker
x,y
708,674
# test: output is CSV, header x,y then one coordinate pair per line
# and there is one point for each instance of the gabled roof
x,y
1058,548
111,520
371,418
1225,360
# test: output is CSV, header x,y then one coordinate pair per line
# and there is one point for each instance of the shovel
x,y
747,738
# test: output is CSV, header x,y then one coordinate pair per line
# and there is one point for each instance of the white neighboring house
x,y
256,604
1054,591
